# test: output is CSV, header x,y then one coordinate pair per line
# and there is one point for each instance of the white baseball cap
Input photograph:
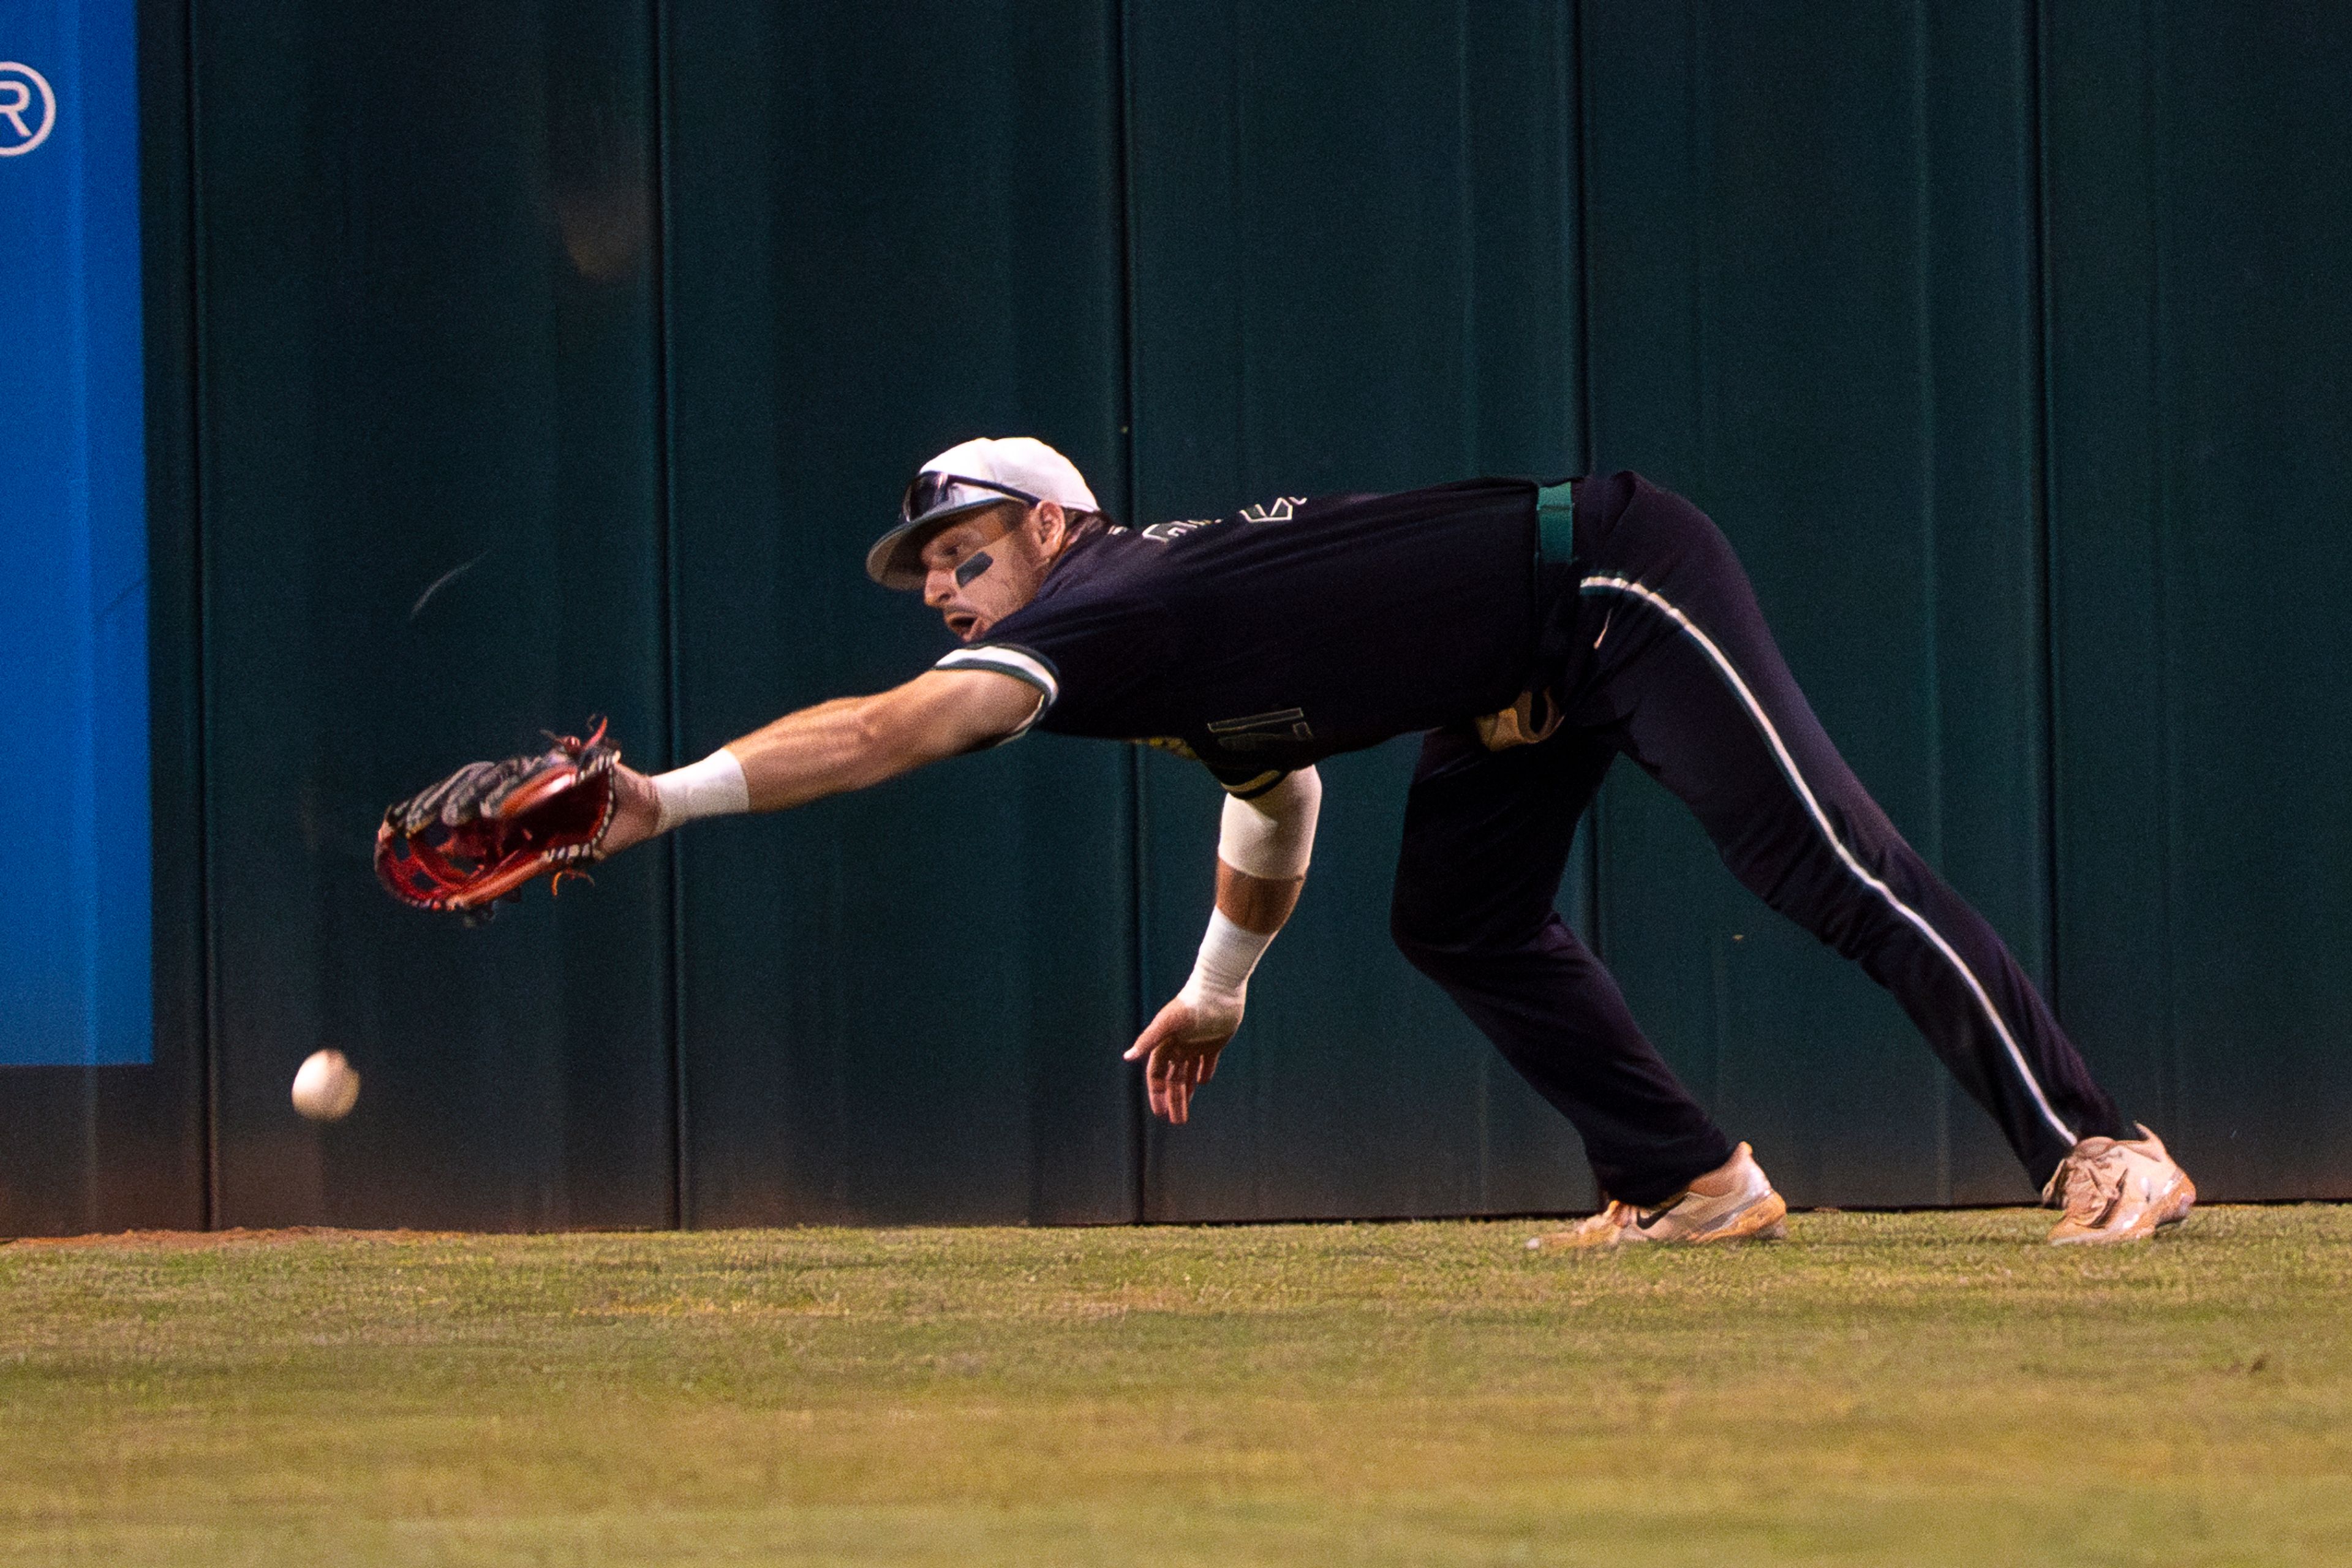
x,y
973,474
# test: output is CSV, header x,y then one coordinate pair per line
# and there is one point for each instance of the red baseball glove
x,y
482,833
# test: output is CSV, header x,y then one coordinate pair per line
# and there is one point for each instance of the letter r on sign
x,y
20,86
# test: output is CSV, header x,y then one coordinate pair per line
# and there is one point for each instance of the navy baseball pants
x,y
1671,663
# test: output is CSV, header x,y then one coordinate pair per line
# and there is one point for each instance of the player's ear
x,y
1051,525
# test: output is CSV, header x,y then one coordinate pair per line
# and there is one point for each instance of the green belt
x,y
1556,522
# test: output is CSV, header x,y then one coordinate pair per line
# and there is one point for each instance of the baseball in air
x,y
325,1087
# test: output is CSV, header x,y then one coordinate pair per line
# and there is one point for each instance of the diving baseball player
x,y
1531,635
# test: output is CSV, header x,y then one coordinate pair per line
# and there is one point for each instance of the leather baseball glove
x,y
482,833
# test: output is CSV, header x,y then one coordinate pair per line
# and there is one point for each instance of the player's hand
x,y
1179,1052
636,811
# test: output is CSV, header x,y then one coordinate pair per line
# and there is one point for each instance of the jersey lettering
x,y
1375,614
1281,509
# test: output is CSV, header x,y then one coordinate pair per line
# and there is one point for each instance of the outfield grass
x,y
1882,1388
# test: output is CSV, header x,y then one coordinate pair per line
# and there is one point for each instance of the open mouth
x,y
965,625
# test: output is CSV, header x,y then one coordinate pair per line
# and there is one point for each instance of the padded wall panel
x,y
429,472
90,1148
1354,270
908,1004
2200,252
414,310
1811,276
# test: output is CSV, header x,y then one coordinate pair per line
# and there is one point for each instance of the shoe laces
x,y
2093,1180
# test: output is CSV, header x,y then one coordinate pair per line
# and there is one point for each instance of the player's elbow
x,y
1298,798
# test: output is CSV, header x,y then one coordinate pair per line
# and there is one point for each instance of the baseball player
x,y
1530,634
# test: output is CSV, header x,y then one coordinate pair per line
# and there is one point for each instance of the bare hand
x,y
1179,1051
636,812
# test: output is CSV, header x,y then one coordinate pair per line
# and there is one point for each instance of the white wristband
x,y
1221,973
714,786
1274,835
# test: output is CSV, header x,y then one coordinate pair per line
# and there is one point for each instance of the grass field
x,y
1881,1388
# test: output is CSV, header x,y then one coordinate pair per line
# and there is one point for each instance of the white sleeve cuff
x,y
714,786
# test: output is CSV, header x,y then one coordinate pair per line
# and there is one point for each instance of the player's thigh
x,y
1486,835
1713,713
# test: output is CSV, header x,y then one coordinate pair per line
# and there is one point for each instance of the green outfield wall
x,y
511,363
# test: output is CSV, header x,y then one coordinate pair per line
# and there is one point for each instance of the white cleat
x,y
2119,1189
1733,1202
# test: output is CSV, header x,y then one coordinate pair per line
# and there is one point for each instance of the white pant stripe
x,y
1821,819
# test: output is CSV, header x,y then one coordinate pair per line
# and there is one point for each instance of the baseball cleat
x,y
1733,1202
2119,1189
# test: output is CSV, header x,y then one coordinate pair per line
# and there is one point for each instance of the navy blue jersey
x,y
1264,641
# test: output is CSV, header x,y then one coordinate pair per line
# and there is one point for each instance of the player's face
x,y
983,566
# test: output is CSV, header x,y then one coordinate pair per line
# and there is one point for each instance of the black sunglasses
x,y
930,493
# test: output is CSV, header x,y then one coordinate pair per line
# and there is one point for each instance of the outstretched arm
x,y
1261,859
850,743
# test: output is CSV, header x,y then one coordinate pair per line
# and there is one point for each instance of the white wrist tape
x,y
714,786
1272,836
1221,973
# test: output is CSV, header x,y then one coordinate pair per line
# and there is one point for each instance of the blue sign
x,y
76,985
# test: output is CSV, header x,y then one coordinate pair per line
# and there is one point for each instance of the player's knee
x,y
1447,926
1438,943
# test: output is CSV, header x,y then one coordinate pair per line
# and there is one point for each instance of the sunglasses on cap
x,y
932,492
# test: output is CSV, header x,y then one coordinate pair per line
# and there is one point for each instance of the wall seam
x,y
2160,432
1924,343
208,940
1699,141
666,543
1123,184
1237,97
1577,156
2045,495
1924,303
1578,247
1467,211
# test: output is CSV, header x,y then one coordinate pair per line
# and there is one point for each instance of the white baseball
x,y
326,1088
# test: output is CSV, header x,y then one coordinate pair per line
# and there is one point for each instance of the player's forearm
x,y
1250,911
1260,904
856,742
1261,859
1262,849
802,756
851,742
830,748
